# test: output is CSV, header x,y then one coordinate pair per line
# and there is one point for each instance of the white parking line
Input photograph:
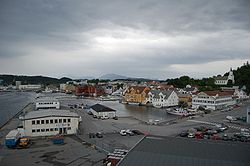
x,y
211,123
204,122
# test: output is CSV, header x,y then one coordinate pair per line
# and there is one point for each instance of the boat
x,y
133,103
178,112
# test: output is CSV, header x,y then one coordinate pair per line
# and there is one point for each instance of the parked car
x,y
129,132
94,116
115,118
104,117
199,135
225,137
215,137
99,135
184,134
205,136
90,113
191,135
123,132
211,132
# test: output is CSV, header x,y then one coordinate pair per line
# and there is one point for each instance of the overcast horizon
x,y
157,39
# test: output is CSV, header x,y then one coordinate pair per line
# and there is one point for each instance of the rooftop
x,y
46,99
171,151
102,108
48,113
221,78
215,93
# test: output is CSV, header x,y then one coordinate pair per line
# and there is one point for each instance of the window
x,y
69,128
51,120
37,130
47,129
64,120
56,121
69,120
56,129
51,129
33,130
47,121
42,121
60,120
42,130
33,122
38,122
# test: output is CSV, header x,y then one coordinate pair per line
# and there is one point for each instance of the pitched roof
x,y
219,93
221,78
172,151
166,93
102,108
138,89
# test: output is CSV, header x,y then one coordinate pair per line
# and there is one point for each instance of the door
x,y
60,130
64,130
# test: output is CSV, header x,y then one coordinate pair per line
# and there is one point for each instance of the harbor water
x,y
13,102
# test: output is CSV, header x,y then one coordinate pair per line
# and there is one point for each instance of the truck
x,y
12,138
58,139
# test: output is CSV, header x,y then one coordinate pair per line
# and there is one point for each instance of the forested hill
x,y
242,76
10,79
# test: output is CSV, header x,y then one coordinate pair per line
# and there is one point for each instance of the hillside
x,y
242,76
10,79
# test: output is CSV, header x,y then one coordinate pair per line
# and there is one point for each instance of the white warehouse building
x,y
50,122
47,103
212,100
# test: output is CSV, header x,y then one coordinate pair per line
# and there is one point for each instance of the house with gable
x,y
163,98
136,94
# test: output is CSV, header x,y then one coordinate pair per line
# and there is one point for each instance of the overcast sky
x,y
145,38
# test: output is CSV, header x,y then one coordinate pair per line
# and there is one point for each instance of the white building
x,y
102,111
62,87
224,80
165,98
212,100
47,103
30,87
188,90
50,122
238,93
18,83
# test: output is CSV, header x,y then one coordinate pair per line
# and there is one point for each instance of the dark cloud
x,y
135,38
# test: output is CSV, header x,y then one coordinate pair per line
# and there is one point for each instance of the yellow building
x,y
185,99
136,94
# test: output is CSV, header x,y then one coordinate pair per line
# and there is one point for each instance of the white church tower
x,y
231,76
224,80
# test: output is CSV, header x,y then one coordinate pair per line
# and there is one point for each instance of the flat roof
x,y
48,113
102,108
172,151
46,99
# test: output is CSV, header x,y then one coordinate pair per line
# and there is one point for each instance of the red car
x,y
199,135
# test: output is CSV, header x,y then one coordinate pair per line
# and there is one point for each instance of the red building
x,y
89,90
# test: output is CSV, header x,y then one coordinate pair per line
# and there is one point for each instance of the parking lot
x,y
84,149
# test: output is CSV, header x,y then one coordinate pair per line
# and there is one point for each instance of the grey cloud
x,y
69,28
